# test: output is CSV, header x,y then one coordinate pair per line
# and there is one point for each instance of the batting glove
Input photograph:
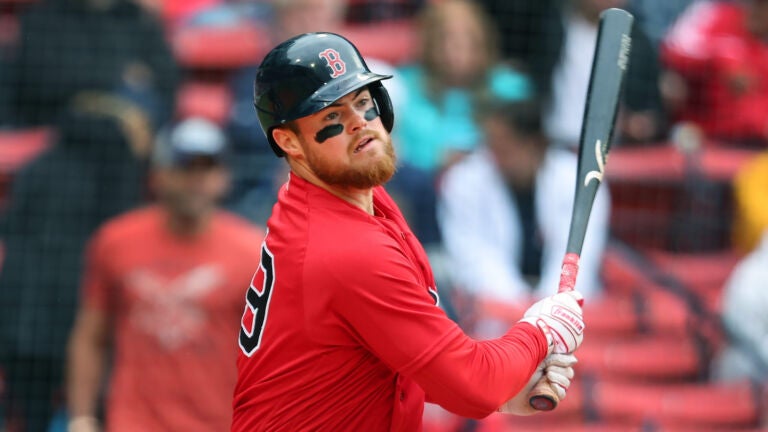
x,y
560,318
558,371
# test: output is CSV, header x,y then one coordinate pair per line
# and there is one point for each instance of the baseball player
x,y
342,329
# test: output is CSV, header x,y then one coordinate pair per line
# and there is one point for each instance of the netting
x,y
488,98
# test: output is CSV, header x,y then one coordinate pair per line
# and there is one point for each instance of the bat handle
x,y
542,397
568,272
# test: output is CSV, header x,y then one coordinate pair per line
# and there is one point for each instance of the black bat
x,y
605,85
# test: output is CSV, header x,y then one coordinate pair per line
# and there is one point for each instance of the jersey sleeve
x,y
387,309
96,281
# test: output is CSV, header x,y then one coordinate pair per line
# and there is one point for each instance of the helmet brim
x,y
335,90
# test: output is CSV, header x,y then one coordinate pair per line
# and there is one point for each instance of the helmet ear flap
x,y
383,103
275,148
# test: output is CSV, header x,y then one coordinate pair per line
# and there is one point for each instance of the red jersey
x,y
342,331
710,46
174,305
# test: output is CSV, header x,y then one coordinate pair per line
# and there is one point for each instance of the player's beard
x,y
367,173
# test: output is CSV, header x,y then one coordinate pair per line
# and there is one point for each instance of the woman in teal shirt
x,y
458,69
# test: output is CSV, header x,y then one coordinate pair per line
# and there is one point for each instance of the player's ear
x,y
288,141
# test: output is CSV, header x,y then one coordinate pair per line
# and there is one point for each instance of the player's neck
x,y
360,198
184,226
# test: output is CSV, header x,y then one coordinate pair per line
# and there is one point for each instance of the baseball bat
x,y
606,80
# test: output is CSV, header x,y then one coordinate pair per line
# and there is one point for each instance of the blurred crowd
x,y
130,239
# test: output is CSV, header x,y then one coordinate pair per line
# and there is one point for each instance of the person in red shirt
x,y
341,329
164,284
718,53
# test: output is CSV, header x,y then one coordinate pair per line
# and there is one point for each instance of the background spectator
x,y
719,55
94,171
751,215
529,34
166,283
657,16
457,69
566,84
69,46
744,304
504,211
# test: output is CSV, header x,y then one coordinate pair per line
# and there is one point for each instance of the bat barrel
x,y
605,85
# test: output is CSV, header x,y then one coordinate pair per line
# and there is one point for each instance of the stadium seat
x,y
699,406
703,273
648,358
579,427
393,41
665,162
651,310
220,48
9,30
620,275
210,100
722,163
17,147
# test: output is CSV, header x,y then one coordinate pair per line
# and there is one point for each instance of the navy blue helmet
x,y
306,73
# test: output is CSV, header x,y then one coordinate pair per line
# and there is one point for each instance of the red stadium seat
x,y
648,358
665,162
393,41
619,274
699,406
220,48
652,310
705,272
202,99
17,147
9,30
578,427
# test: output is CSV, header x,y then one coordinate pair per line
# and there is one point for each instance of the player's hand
x,y
556,371
83,424
560,319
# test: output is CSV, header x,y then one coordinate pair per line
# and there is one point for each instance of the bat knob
x,y
542,403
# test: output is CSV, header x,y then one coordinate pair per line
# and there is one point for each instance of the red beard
x,y
363,174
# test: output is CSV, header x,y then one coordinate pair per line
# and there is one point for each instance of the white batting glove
x,y
560,319
556,370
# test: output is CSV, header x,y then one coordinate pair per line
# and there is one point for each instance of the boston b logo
x,y
334,61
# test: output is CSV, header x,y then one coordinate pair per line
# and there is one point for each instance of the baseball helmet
x,y
305,74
